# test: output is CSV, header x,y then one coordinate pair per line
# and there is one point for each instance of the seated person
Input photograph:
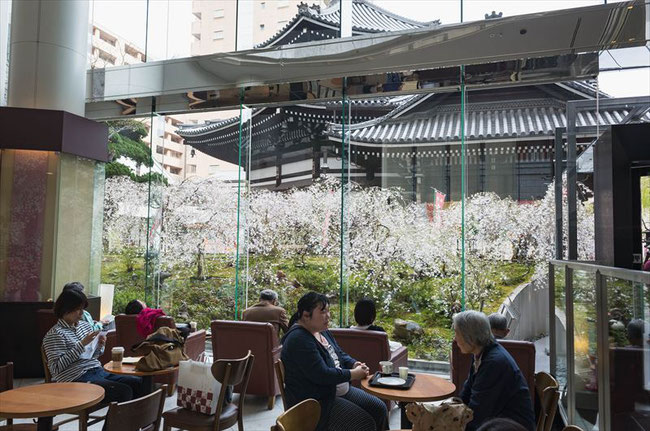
x,y
316,367
499,325
86,317
634,333
68,358
267,310
364,314
501,424
495,387
146,320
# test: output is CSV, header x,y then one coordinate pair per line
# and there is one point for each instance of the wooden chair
x,y
85,418
7,383
279,373
303,416
140,414
228,372
548,393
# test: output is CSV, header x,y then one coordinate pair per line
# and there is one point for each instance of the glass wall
x,y
629,353
427,203
584,350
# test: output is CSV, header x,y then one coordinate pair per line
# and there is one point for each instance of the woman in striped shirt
x,y
68,360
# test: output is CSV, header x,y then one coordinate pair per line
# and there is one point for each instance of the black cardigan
x,y
498,389
309,370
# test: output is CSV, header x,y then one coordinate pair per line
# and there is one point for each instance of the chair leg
x,y
240,422
83,420
271,403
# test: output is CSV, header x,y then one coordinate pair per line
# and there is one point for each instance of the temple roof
x,y
499,119
366,18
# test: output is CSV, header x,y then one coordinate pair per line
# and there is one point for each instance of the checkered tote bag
x,y
198,390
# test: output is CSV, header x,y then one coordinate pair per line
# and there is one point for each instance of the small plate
x,y
391,381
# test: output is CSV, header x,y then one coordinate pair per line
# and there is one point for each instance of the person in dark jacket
x,y
495,387
364,314
316,367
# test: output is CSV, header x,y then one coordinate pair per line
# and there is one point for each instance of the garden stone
x,y
407,330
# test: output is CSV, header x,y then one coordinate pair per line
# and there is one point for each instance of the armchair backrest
x,y
7,376
363,345
127,331
233,339
523,352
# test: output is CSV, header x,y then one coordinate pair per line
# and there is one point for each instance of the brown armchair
x,y
127,336
523,352
370,347
232,339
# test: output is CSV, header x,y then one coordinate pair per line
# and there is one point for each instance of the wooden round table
x,y
426,387
47,400
129,370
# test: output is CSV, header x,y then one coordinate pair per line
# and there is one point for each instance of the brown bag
x,y
162,349
449,416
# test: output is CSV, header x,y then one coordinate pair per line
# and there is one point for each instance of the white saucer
x,y
391,381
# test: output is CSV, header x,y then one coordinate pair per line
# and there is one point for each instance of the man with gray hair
x,y
499,325
495,387
267,310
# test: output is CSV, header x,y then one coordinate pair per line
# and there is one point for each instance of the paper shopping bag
x,y
198,390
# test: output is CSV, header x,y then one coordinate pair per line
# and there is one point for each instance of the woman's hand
x,y
362,364
359,372
90,337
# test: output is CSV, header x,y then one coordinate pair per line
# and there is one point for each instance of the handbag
x,y
452,415
162,349
197,388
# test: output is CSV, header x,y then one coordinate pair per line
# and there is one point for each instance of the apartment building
x,y
176,160
214,29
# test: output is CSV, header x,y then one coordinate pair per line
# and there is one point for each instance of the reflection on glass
x,y
584,345
560,333
629,353
118,33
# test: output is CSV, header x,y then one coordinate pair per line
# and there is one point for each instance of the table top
x,y
426,387
49,399
129,370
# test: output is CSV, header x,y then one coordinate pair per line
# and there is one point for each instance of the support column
x,y
52,201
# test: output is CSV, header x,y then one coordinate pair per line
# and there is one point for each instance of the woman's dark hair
x,y
69,300
501,424
74,285
133,307
365,312
308,303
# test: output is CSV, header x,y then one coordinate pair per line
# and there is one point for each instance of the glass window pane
x,y
584,346
629,353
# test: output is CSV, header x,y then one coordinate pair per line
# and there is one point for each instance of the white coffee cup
x,y
193,326
403,372
386,367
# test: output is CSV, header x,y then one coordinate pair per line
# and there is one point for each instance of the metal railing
x,y
639,279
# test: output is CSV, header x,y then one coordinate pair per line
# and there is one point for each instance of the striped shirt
x,y
63,346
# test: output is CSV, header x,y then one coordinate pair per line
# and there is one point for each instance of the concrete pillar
x,y
51,202
48,54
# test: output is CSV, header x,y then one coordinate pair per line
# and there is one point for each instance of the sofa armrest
x,y
111,341
400,357
195,344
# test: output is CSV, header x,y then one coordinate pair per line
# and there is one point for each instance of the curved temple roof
x,y
366,18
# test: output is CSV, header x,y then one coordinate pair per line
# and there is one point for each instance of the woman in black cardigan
x,y
316,367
